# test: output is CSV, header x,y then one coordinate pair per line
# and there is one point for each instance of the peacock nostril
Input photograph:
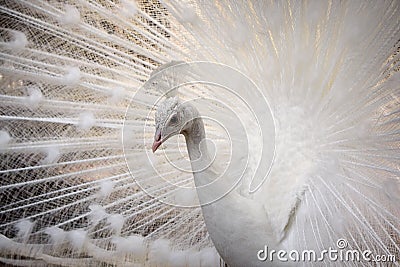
x,y
157,136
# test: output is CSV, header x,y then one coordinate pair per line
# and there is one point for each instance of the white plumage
x,y
80,186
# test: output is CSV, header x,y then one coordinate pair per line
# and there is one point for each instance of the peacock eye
x,y
173,119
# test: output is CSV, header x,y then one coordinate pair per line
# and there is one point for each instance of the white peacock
x,y
290,120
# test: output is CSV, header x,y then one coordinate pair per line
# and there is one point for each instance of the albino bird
x,y
238,226
289,114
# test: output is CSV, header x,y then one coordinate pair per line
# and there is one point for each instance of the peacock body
x,y
301,109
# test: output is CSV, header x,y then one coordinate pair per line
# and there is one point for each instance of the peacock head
x,y
172,118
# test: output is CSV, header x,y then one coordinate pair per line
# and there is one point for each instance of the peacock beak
x,y
157,141
156,144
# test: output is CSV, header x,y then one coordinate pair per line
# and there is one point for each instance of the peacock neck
x,y
197,147
204,168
